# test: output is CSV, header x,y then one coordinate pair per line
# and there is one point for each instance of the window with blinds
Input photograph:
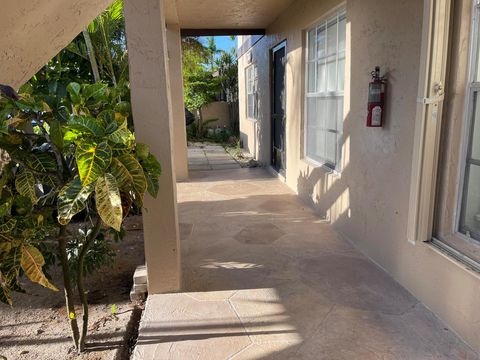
x,y
325,77
252,88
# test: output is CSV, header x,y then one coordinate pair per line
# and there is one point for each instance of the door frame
x,y
278,46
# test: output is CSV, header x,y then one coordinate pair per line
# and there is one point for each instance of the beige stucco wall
x,y
34,31
368,202
217,110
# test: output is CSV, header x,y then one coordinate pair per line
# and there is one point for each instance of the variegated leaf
x,y
7,226
122,135
25,185
92,160
72,199
108,201
32,261
153,170
86,124
127,170
5,296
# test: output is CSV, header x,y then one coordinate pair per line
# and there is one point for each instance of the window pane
x,y
340,114
332,38
477,52
321,112
331,114
321,42
332,74
321,76
341,34
476,129
311,76
311,44
311,112
341,73
331,147
470,219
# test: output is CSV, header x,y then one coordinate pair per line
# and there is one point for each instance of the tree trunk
x,y
67,283
91,55
106,44
200,124
81,283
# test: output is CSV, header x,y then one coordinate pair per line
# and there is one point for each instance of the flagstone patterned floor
x,y
265,278
209,157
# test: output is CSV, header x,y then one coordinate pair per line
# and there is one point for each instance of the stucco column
x,y
178,108
152,114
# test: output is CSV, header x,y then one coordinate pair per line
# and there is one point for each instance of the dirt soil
x,y
36,327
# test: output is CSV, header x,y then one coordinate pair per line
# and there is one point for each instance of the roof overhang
x,y
225,17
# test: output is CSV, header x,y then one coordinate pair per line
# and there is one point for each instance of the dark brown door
x,y
278,108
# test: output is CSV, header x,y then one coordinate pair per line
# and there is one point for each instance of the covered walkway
x,y
265,278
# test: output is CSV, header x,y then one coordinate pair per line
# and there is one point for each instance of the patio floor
x,y
209,157
265,278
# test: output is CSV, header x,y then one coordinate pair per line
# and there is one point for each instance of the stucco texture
x,y
368,201
34,31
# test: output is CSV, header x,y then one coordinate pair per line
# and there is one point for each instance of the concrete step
x,y
140,275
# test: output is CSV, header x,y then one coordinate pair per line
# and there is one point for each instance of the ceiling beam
x,y
221,32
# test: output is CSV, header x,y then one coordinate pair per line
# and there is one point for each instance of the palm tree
x,y
107,47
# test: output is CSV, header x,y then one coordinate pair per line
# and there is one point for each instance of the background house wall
x,y
368,202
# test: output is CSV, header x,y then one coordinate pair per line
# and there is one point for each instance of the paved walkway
x,y
209,157
265,278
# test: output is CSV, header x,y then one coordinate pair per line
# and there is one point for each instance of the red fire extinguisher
x,y
376,99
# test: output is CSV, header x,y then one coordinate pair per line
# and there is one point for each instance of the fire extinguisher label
x,y
376,116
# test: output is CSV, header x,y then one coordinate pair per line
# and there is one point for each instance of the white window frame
x,y
336,14
251,69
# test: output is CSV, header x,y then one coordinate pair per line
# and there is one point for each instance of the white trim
x,y
433,63
323,165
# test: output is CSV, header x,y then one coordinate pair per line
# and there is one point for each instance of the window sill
x,y
251,119
454,256
323,165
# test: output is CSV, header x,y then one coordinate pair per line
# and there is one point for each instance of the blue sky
x,y
223,42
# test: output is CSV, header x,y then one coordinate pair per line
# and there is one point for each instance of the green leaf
x,y
25,185
123,107
4,292
56,134
129,173
32,261
92,160
108,201
153,170
74,91
122,135
107,119
42,162
72,199
85,124
5,208
8,226
22,205
142,151
45,163
94,91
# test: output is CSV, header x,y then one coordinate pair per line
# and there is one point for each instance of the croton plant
x,y
71,174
